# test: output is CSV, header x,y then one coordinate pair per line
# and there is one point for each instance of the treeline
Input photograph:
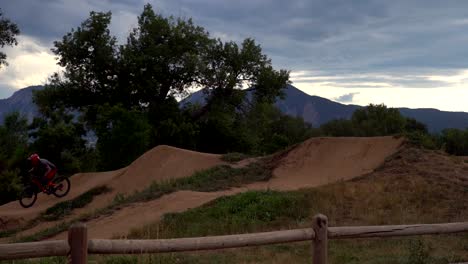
x,y
378,120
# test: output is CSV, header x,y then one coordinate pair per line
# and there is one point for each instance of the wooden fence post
x,y
78,242
320,227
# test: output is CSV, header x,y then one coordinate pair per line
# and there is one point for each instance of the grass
x,y
246,212
214,179
59,210
62,209
270,210
224,177
234,157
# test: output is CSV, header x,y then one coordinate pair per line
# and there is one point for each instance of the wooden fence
x,y
78,246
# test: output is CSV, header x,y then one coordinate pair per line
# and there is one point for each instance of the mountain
x,y
314,109
20,101
437,120
317,110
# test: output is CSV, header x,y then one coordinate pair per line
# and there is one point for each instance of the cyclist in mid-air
x,y
43,169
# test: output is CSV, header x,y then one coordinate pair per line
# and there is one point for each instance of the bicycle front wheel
x,y
28,197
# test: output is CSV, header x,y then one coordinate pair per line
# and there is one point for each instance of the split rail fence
x,y
78,246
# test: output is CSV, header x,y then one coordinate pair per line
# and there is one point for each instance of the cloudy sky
x,y
402,52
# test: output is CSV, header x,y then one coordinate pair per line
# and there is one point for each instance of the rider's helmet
x,y
34,158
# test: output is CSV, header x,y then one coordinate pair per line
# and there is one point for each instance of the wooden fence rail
x,y
78,246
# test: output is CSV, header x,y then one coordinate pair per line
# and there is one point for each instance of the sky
x,y
403,53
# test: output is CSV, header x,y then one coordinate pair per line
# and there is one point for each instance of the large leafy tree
x,y
378,120
8,33
228,68
162,58
13,139
123,136
89,56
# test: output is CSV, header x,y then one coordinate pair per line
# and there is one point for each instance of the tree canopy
x,y
8,33
163,58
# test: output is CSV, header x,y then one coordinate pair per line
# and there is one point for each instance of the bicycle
x,y
59,187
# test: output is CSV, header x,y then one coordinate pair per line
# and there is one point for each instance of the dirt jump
x,y
315,162
158,164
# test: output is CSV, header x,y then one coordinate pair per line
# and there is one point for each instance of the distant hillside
x,y
20,101
437,120
314,109
317,110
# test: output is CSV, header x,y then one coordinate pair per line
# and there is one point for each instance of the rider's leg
x,y
50,176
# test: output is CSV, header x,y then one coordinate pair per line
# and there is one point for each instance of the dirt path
x,y
80,183
139,214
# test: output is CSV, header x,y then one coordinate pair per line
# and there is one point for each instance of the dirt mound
x,y
320,161
160,164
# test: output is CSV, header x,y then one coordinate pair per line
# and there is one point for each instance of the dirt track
x,y
315,162
159,164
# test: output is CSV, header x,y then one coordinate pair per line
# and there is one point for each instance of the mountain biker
x,y
43,169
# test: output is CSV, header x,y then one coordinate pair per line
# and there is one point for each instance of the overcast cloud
x,y
332,47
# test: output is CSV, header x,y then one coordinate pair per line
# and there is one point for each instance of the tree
x,y
378,120
8,32
228,68
13,153
455,141
89,56
270,130
59,138
123,135
339,128
162,58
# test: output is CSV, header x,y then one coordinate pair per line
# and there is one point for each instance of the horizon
x,y
194,91
404,55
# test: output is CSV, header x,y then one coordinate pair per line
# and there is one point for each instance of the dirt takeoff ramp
x,y
320,161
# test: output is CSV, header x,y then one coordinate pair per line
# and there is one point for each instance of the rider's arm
x,y
48,165
48,169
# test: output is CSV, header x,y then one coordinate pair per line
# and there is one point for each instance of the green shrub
x,y
245,212
62,209
234,157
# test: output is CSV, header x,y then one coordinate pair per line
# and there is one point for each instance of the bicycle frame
x,y
39,185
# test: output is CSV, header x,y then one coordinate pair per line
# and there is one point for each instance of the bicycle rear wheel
x,y
28,197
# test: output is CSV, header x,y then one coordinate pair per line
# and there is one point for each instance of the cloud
x,y
362,44
29,64
346,98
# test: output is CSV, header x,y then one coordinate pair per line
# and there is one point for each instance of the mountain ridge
x,y
313,109
20,101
